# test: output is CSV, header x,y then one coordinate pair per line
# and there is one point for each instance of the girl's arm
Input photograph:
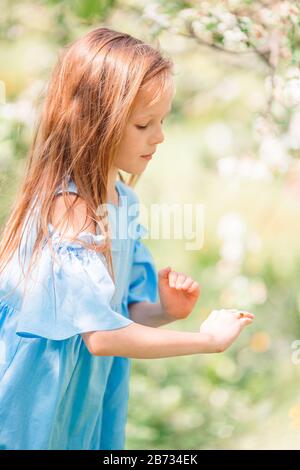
x,y
149,314
216,334
143,342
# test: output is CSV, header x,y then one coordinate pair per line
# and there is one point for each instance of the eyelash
x,y
144,127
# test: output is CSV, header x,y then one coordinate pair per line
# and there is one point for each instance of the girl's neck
x,y
112,192
113,198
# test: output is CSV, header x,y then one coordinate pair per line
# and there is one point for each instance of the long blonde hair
x,y
88,101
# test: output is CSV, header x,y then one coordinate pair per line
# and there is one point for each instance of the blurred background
x,y
231,144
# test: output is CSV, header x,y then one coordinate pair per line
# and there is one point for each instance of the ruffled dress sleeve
x,y
143,282
71,296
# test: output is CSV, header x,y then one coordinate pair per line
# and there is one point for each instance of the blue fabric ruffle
x,y
69,297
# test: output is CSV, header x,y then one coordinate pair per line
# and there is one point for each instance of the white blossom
x,y
227,166
187,14
283,9
267,16
293,72
152,12
273,152
198,27
232,251
291,92
230,226
293,135
244,168
218,138
234,37
247,292
21,110
218,397
226,22
258,292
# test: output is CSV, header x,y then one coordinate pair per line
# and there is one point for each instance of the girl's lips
x,y
148,157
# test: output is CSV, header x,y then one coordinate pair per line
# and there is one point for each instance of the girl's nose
x,y
158,138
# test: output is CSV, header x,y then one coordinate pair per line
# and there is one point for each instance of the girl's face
x,y
143,131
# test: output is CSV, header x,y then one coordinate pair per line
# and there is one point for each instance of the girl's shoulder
x,y
125,191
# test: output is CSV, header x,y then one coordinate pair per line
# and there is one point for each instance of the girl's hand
x,y
224,326
178,293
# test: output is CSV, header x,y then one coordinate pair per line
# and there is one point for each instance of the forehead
x,y
154,97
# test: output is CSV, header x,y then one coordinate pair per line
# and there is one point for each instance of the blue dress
x,y
53,393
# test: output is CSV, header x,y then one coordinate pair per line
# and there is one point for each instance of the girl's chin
x,y
137,168
134,171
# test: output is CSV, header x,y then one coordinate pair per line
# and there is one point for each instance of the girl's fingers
x,y
243,314
193,287
246,321
240,313
172,278
164,273
180,279
187,283
233,312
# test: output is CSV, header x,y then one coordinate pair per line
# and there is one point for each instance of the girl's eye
x,y
144,127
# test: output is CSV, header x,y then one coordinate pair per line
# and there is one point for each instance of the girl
x,y
77,300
